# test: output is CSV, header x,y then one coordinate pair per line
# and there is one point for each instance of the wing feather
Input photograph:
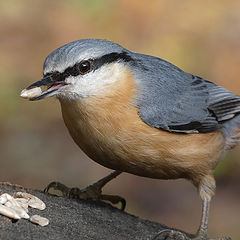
x,y
223,103
176,101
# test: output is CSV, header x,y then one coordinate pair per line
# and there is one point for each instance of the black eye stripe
x,y
70,71
112,57
95,64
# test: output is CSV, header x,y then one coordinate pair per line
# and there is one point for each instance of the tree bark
x,y
76,219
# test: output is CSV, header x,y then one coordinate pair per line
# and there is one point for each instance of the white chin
x,y
68,95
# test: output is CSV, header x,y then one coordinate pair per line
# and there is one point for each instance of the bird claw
x,y
93,192
57,186
170,234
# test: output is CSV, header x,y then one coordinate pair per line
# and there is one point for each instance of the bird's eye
x,y
84,66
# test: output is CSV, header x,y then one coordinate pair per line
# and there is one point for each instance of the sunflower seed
x,y
31,93
9,212
4,198
23,203
39,220
33,202
20,211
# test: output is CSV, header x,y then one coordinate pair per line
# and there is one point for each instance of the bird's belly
x,y
164,161
134,147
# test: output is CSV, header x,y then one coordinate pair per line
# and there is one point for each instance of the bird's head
x,y
80,69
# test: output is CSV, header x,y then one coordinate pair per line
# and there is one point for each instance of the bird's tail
x,y
231,132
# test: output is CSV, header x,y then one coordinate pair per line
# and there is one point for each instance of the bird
x,y
140,114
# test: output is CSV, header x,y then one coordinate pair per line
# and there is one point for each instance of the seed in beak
x,y
31,93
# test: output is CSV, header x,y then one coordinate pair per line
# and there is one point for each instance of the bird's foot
x,y
93,192
170,234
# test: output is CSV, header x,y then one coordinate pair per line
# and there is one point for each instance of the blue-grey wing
x,y
171,99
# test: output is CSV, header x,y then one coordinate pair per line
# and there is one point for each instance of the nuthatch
x,y
142,115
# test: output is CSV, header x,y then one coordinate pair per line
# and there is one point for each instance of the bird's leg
x,y
202,231
93,191
206,190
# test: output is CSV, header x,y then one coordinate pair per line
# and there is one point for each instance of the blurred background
x,y
201,37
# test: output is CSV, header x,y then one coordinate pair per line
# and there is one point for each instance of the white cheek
x,y
95,83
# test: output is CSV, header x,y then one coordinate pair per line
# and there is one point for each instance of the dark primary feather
x,y
171,99
223,103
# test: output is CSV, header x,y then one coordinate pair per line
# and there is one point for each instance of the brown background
x,y
201,37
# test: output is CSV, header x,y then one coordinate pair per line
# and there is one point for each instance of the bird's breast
x,y
109,130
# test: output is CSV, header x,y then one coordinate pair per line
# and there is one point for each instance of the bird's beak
x,y
43,88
